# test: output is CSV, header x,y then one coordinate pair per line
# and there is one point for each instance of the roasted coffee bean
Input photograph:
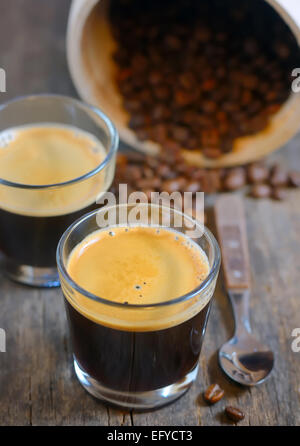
x,y
165,172
148,172
203,35
122,159
294,178
142,134
132,104
210,182
261,191
187,80
173,42
174,185
155,77
159,133
235,179
173,156
149,183
282,50
226,145
208,84
195,174
145,96
192,186
210,138
213,394
279,176
137,121
170,146
183,98
151,161
161,92
134,173
257,173
209,107
234,414
139,63
180,133
192,143
279,193
134,157
272,109
249,81
257,124
160,112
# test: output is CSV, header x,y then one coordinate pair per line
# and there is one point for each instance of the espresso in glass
x,y
51,173
140,346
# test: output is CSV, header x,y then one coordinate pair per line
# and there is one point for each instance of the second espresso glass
x,y
137,355
34,216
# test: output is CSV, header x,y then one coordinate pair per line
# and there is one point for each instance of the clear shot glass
x,y
29,233
137,355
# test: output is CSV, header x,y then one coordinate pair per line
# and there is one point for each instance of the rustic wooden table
x,y
37,382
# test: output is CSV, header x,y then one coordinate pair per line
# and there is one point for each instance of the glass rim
x,y
199,289
99,113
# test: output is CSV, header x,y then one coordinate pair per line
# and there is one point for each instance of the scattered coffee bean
x,y
279,176
193,186
213,394
257,173
261,191
165,172
235,179
149,183
177,184
234,414
279,193
294,178
134,172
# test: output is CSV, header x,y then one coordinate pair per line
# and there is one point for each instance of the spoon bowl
x,y
246,360
243,358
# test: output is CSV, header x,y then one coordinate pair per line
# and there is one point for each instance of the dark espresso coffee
x,y
33,219
137,349
33,240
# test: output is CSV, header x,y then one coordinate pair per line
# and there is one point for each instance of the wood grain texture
x,y
37,381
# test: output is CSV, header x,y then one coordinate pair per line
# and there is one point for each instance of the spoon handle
x,y
240,306
232,234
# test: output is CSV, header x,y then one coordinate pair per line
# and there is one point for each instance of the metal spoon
x,y
243,358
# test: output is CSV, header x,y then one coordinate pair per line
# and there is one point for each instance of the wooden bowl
x,y
89,50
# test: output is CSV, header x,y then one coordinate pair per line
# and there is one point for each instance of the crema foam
x,y
49,154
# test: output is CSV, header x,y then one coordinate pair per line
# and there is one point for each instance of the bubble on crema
x,y
6,138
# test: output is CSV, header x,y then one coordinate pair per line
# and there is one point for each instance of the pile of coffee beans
x,y
199,74
169,172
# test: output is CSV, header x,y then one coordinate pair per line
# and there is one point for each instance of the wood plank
x,y
37,381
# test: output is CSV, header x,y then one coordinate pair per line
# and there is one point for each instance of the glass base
x,y
136,400
33,276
